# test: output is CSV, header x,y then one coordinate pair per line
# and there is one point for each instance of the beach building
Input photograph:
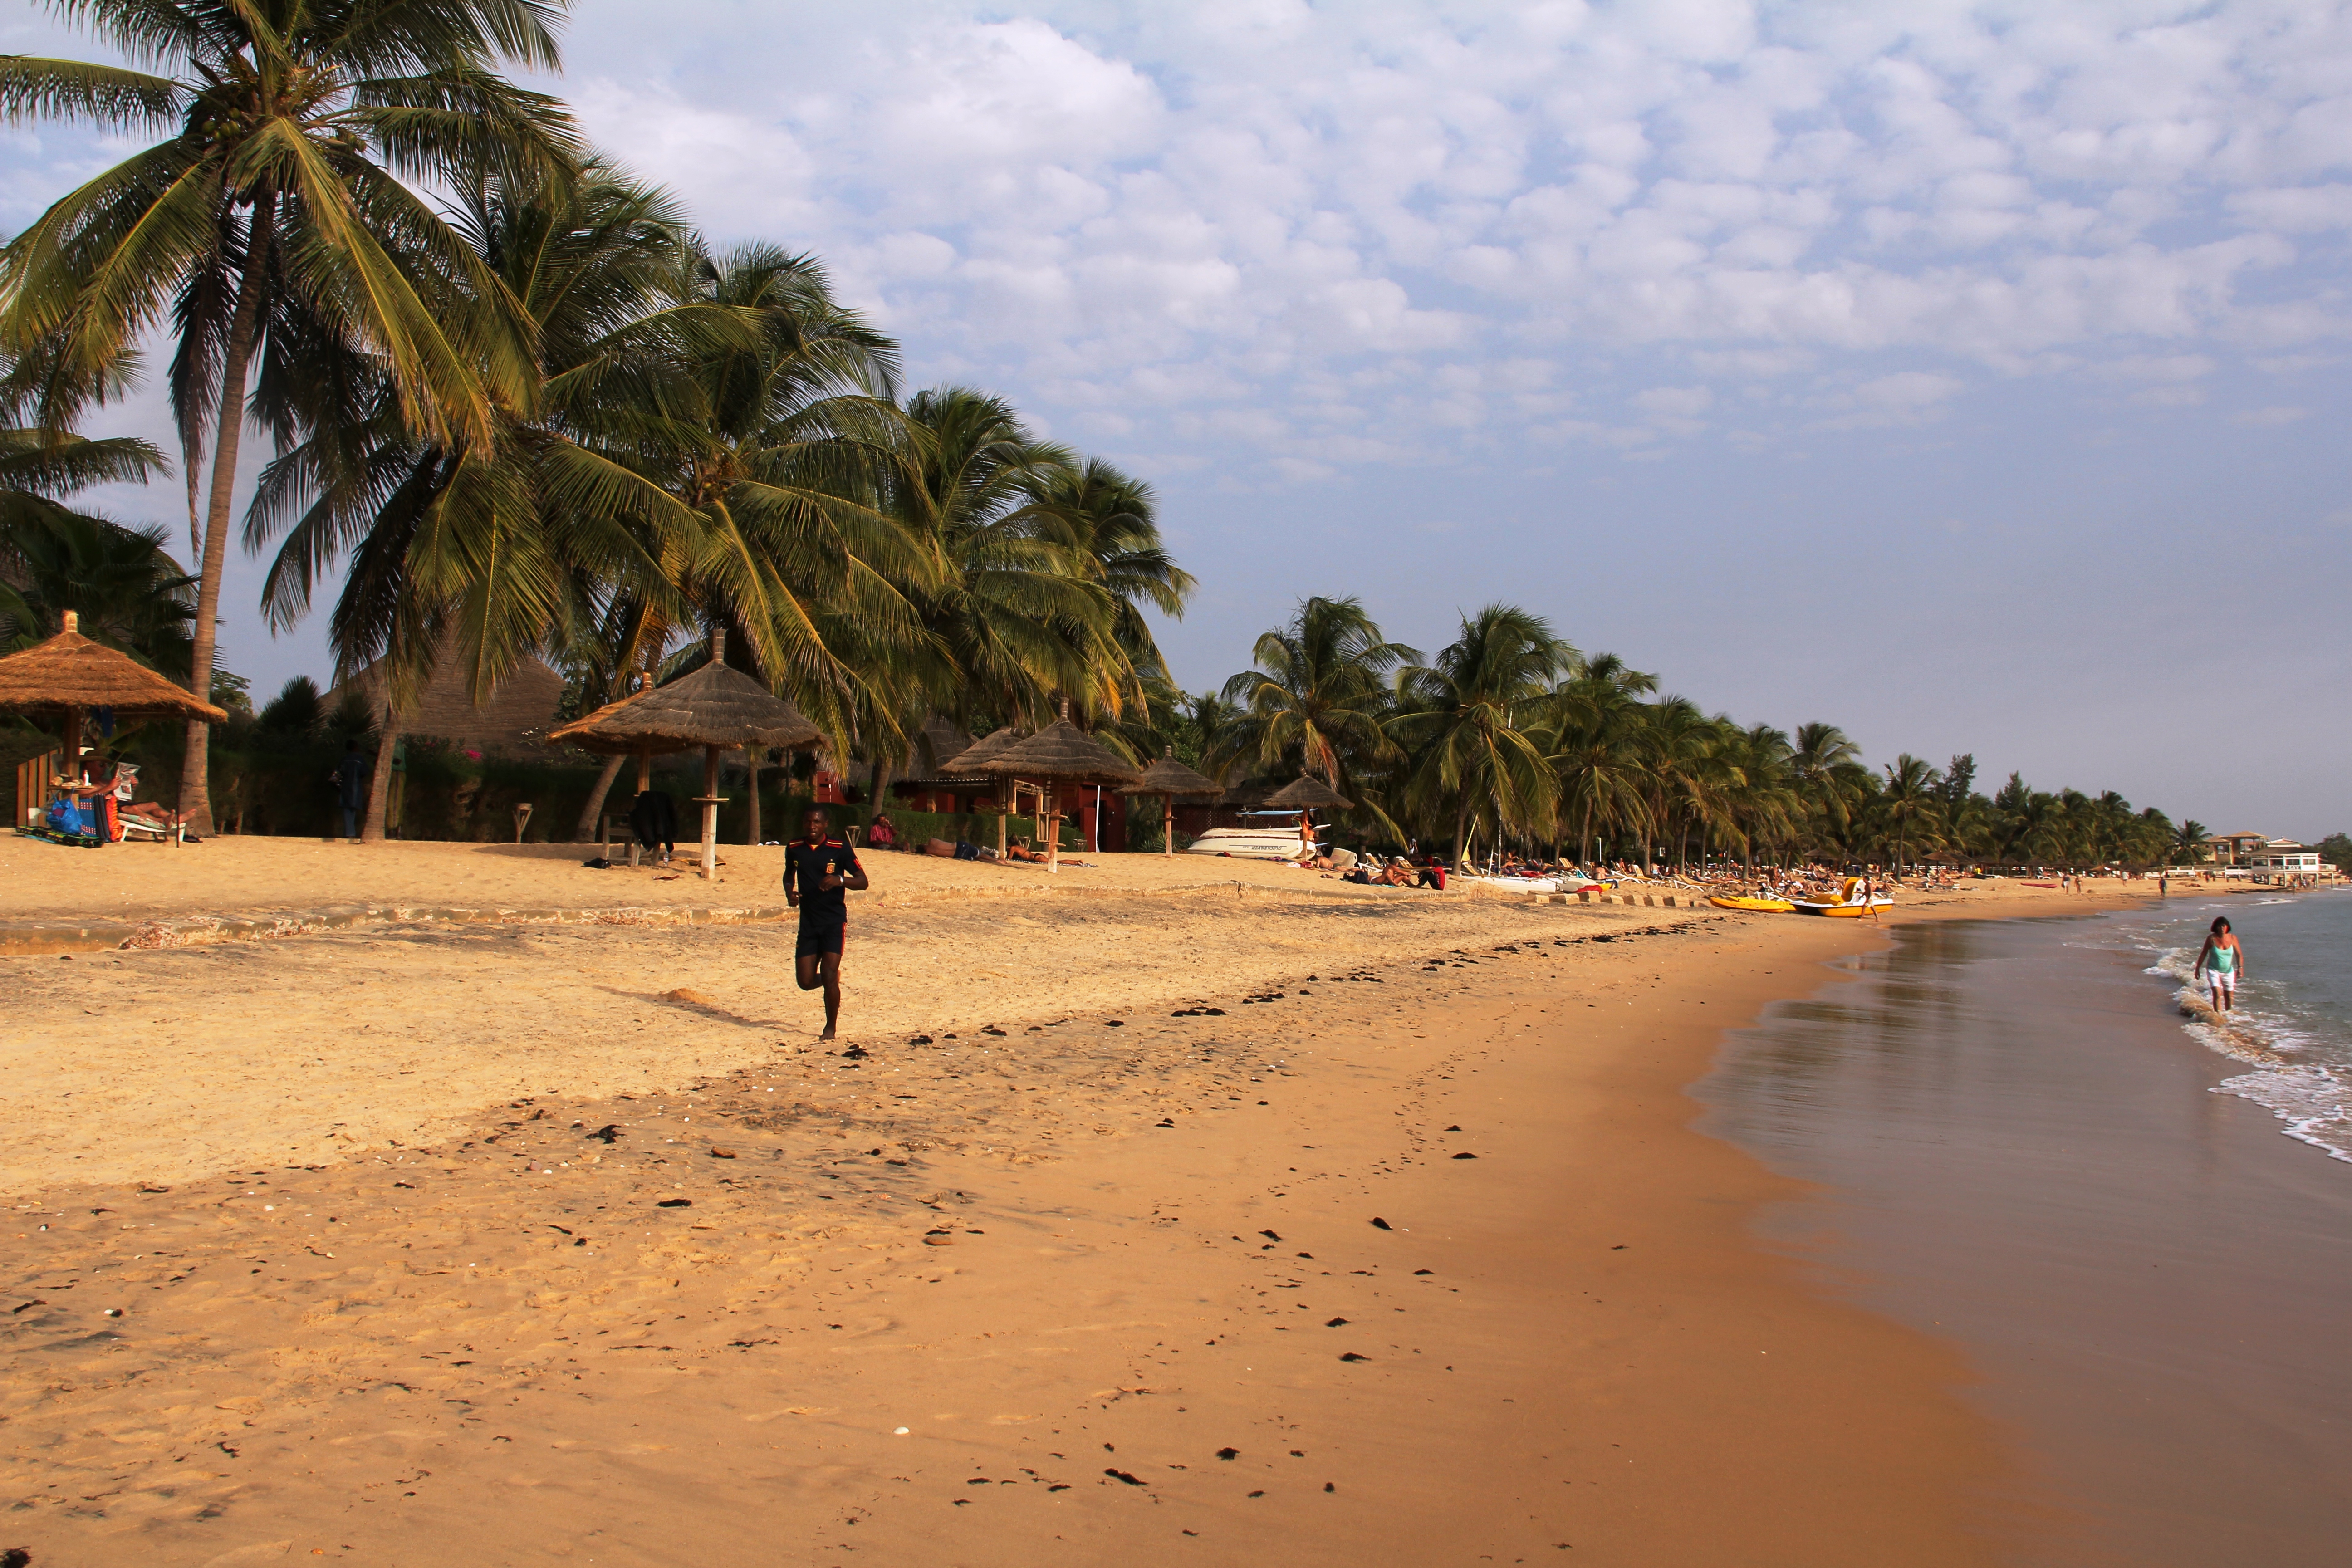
x,y
2280,859
513,722
2236,850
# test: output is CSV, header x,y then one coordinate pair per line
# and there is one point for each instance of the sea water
x,y
2292,1025
2016,1142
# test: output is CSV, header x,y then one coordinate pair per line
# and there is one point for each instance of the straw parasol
x,y
1307,792
716,708
1168,778
1059,753
68,675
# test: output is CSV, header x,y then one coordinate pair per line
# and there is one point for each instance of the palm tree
x,y
1763,807
1319,692
1013,619
1824,765
2189,842
1467,715
1106,521
759,479
1908,800
122,583
1596,738
275,221
454,541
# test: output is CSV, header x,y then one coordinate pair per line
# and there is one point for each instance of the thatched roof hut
x,y
967,763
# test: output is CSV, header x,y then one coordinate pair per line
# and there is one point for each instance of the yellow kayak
x,y
1760,906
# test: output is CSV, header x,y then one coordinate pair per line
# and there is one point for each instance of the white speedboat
x,y
1248,843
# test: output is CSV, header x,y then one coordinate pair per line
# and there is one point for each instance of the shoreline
x,y
1596,1280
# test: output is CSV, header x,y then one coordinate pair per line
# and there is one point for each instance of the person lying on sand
x,y
2220,961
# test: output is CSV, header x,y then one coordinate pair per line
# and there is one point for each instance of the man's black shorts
x,y
819,937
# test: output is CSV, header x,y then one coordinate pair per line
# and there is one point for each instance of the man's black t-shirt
x,y
805,871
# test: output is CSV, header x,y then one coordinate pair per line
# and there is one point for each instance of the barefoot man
x,y
817,866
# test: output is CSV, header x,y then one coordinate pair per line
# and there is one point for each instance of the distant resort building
x,y
2235,849
2282,858
2260,857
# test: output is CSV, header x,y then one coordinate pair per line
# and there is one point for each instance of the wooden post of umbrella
x,y
709,797
1168,778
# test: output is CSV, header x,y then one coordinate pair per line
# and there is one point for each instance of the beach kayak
x,y
1760,906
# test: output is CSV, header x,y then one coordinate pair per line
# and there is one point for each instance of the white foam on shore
x,y
2314,1102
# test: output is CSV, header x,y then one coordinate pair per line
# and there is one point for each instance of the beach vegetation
x,y
517,407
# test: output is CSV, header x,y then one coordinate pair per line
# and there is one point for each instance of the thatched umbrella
x,y
1307,792
1061,752
716,708
1305,795
1168,778
68,675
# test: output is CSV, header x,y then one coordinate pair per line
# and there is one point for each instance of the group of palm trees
x,y
1510,740
516,405
531,414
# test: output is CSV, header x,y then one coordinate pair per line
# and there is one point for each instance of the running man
x,y
817,866
2222,963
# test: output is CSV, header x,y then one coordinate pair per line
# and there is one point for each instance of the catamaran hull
x,y
1842,912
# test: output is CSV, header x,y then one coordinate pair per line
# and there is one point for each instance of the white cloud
x,y
1234,209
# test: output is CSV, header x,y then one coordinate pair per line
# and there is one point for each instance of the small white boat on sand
x,y
1248,843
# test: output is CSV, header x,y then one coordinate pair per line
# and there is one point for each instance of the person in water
x,y
817,866
2221,963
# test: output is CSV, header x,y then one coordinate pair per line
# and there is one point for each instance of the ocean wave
x,y
2316,1103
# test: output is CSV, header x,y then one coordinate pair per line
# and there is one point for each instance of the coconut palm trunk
x,y
596,798
237,364
380,778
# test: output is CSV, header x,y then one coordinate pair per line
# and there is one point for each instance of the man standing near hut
x,y
818,867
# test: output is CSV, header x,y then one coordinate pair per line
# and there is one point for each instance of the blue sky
x,y
1971,376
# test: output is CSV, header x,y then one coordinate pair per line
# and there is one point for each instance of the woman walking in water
x,y
2222,962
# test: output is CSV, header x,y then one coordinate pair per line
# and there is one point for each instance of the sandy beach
x,y
538,1241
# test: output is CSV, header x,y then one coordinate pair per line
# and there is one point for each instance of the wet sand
x,y
400,1301
2022,1157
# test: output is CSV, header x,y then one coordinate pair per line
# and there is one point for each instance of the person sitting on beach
x,y
879,834
1398,874
121,779
2221,963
